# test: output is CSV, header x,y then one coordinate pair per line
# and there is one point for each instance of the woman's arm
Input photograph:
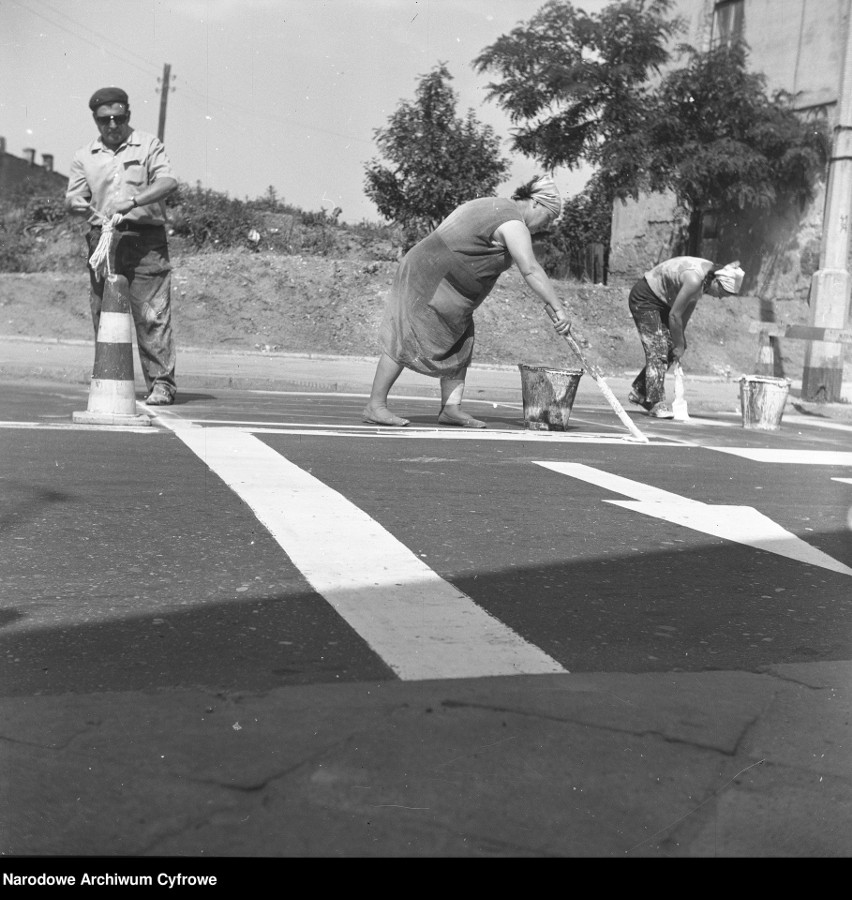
x,y
687,297
517,240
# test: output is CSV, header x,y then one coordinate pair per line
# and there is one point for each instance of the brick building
x,y
16,172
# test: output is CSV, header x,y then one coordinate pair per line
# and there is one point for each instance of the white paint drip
x,y
741,524
418,623
679,405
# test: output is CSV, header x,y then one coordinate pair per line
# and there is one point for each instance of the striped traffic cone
x,y
112,394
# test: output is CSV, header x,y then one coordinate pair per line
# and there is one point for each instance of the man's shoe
x,y
661,411
159,396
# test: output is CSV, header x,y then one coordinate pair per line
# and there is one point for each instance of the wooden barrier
x,y
803,332
769,333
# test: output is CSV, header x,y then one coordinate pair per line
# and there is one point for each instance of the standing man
x,y
127,172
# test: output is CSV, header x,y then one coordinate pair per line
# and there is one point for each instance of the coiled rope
x,y
100,258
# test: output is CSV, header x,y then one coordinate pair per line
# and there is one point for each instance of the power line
x,y
235,108
107,42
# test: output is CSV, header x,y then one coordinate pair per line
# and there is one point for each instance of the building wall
x,y
16,172
797,45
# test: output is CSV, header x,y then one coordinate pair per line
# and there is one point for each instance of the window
x,y
728,19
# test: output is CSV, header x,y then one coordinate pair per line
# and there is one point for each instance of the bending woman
x,y
428,322
661,303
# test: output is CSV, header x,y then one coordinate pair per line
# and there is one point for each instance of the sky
x,y
265,93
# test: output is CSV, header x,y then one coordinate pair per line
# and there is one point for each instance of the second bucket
x,y
548,396
762,400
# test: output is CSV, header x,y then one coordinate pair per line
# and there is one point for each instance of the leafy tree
x,y
576,86
436,160
588,88
586,219
726,149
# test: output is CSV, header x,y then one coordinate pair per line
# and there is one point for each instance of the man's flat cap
x,y
106,96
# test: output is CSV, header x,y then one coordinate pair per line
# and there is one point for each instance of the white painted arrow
x,y
797,457
742,524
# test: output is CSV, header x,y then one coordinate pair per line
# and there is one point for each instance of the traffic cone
x,y
765,364
112,394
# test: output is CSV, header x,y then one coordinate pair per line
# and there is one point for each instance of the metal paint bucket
x,y
762,400
548,396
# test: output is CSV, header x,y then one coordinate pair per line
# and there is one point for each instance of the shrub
x,y
15,250
29,209
33,221
209,218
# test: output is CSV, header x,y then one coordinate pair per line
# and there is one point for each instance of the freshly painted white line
x,y
396,397
416,432
238,423
844,480
818,423
796,457
418,623
741,524
717,423
402,434
56,426
470,433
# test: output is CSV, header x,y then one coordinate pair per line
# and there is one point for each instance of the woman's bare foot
x,y
381,415
452,415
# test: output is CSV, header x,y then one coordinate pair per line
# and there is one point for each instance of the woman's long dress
x,y
428,322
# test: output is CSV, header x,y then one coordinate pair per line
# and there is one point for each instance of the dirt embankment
x,y
247,300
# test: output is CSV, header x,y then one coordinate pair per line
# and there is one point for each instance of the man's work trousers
x,y
141,254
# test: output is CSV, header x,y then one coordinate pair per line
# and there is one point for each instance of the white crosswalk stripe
x,y
418,623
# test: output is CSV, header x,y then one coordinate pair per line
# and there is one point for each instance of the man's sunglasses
x,y
105,120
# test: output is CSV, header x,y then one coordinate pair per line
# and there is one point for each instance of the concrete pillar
x,y
822,377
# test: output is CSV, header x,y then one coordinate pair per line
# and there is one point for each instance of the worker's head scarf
x,y
543,189
730,277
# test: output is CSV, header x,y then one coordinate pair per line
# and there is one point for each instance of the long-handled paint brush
x,y
617,408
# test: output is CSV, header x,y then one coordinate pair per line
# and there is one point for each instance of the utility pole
x,y
822,378
164,96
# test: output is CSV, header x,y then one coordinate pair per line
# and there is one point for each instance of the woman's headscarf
x,y
730,277
544,190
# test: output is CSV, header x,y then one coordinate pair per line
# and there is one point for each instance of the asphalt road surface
x,y
254,540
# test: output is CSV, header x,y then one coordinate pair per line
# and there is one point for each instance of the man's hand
x,y
677,353
123,207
